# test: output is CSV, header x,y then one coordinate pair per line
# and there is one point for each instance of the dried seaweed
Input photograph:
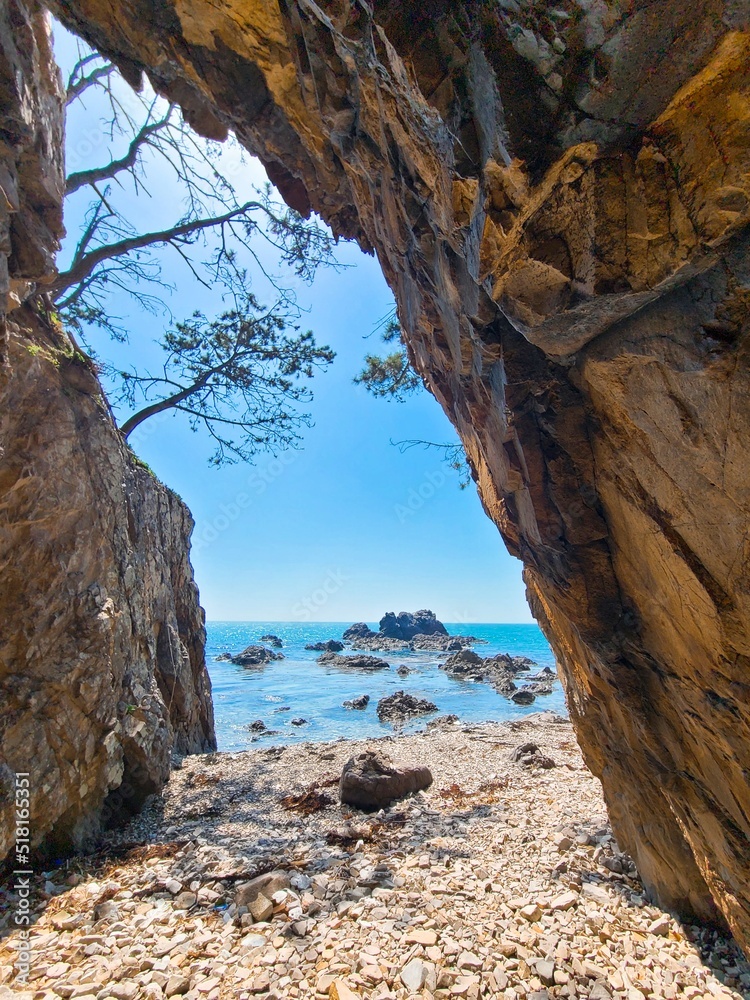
x,y
310,801
487,793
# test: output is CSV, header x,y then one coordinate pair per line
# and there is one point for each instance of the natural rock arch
x,y
559,196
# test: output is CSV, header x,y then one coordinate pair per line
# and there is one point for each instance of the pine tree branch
x,y
163,404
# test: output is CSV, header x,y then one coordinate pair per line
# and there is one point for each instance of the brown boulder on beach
x,y
371,780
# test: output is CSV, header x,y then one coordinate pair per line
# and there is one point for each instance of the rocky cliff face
x,y
102,670
559,196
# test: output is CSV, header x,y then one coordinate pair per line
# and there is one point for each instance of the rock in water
x,y
329,646
358,703
441,643
380,643
465,663
400,706
371,780
498,671
356,662
256,656
405,625
272,640
359,630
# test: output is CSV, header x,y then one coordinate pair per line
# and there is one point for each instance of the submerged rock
x,y
298,722
260,729
256,656
329,646
359,703
400,706
272,640
355,662
441,643
380,643
404,671
523,697
371,780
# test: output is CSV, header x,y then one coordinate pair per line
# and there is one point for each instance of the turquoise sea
x,y
298,687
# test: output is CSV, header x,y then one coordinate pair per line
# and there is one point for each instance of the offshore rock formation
x,y
256,656
356,661
406,625
559,195
102,672
406,630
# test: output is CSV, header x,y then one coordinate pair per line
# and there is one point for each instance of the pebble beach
x,y
502,879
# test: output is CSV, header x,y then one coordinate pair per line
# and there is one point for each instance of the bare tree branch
x,y
453,454
114,167
180,233
77,84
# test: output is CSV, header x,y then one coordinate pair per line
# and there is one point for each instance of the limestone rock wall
x,y
102,669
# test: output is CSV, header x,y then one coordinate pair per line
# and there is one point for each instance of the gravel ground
x,y
501,880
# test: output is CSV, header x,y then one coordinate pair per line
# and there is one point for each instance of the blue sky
x,y
348,527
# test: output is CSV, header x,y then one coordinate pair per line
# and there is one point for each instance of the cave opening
x,y
596,224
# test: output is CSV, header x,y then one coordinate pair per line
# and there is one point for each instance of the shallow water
x,y
315,692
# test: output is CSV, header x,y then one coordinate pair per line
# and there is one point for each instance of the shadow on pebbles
x,y
501,880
